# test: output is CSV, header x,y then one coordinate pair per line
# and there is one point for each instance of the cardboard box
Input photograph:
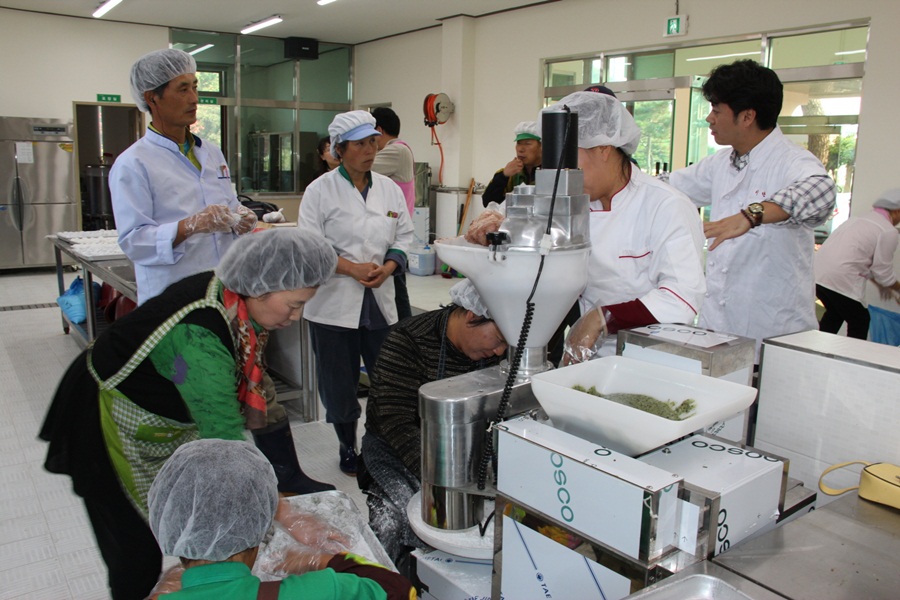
x,y
450,577
740,489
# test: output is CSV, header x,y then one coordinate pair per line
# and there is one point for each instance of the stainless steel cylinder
x,y
449,509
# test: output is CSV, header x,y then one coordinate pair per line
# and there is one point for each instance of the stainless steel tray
x,y
694,587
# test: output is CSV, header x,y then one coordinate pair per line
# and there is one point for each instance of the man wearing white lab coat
x,y
767,195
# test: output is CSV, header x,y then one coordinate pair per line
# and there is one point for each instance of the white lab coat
x,y
153,186
647,247
760,284
860,249
360,231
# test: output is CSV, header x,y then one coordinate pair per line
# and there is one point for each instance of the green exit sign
x,y
676,25
109,98
207,100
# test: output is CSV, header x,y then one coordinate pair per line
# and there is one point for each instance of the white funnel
x,y
504,279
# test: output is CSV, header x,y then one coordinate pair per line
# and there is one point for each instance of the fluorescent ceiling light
x,y
324,2
201,49
105,8
722,56
273,20
849,52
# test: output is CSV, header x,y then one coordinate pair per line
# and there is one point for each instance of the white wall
x,y
403,70
49,62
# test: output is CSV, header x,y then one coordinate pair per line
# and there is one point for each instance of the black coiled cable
x,y
489,456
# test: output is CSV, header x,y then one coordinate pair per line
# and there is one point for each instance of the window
x,y
268,111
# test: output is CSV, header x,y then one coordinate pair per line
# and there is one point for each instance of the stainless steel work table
x,y
848,549
117,272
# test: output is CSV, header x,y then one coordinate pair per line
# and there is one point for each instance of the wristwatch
x,y
756,211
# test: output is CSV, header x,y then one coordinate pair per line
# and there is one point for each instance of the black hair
x,y
320,150
747,84
387,119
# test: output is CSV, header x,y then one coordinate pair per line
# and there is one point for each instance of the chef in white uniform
x,y
364,217
646,238
767,195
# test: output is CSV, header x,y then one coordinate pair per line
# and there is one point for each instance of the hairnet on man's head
x,y
602,121
212,499
527,130
889,200
152,70
464,295
273,260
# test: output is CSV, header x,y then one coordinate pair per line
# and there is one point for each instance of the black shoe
x,y
277,445
348,461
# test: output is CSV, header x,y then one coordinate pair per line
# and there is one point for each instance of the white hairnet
x,y
349,126
889,200
273,260
212,499
152,70
602,121
527,130
464,295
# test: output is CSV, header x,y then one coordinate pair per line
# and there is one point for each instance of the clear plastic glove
x,y
310,531
586,336
285,556
168,583
274,217
247,222
487,222
212,219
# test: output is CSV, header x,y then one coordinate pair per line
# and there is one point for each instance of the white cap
x,y
349,126
527,130
889,200
602,121
464,295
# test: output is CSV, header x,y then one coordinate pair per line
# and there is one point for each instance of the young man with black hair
x,y
767,195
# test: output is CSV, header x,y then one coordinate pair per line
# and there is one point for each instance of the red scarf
x,y
250,349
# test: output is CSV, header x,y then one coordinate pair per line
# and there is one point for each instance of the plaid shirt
x,y
808,201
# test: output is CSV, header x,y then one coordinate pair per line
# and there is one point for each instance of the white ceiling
x,y
344,21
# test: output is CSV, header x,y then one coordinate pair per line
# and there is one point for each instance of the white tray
x,y
628,430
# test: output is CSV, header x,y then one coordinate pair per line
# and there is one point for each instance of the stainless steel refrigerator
x,y
37,189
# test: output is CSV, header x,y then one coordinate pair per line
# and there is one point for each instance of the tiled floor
x,y
47,550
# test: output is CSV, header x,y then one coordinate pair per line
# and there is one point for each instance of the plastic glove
x,y
485,223
169,582
212,219
247,222
310,531
586,336
274,217
284,556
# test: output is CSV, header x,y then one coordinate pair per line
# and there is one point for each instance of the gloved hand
x,y
284,556
212,219
274,217
169,582
248,221
586,336
485,223
310,531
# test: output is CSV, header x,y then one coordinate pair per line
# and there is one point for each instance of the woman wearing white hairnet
x,y
211,505
363,216
187,364
457,339
646,237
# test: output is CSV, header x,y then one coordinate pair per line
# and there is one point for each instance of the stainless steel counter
x,y
117,272
849,549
